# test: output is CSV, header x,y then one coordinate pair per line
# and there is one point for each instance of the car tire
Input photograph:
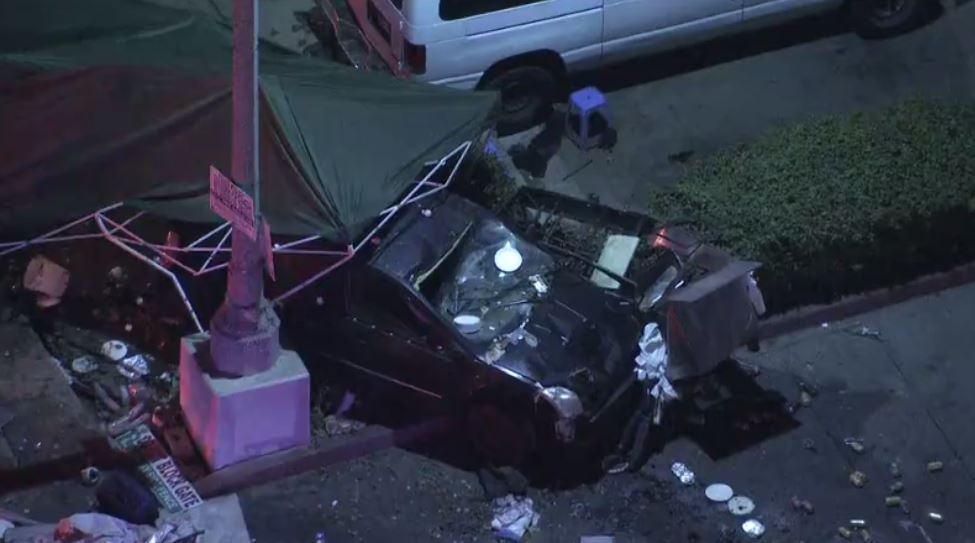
x,y
875,19
527,96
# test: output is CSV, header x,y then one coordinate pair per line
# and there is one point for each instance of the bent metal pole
x,y
244,337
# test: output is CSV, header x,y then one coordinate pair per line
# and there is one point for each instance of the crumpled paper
x,y
513,517
651,363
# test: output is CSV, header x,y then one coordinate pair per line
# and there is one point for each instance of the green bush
x,y
841,205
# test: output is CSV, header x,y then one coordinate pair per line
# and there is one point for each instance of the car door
x,y
393,339
761,13
632,28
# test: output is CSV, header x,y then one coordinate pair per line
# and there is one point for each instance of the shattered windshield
x,y
488,283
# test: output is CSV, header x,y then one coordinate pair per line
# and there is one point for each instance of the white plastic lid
x,y
468,324
507,258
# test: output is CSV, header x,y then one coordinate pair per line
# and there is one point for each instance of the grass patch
x,y
840,205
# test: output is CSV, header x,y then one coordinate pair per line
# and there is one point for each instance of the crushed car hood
x,y
579,337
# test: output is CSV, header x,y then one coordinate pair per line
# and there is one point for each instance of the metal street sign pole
x,y
244,331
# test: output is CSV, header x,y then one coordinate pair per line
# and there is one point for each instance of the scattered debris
x,y
802,505
719,492
741,505
114,350
90,476
865,535
166,481
84,365
683,473
320,538
805,398
338,426
893,501
513,517
936,517
935,466
855,444
845,532
895,470
863,331
753,528
47,279
858,523
134,367
858,479
426,213
896,487
809,444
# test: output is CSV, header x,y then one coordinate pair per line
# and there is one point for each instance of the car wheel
x,y
527,95
885,18
502,439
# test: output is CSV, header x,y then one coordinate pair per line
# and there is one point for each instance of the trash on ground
x,y
864,331
741,505
320,537
865,535
936,517
337,426
99,527
936,466
895,470
90,476
845,532
83,365
719,492
114,350
513,517
855,444
896,487
809,444
683,473
802,505
858,523
47,279
132,419
134,367
893,501
753,528
858,479
166,481
805,398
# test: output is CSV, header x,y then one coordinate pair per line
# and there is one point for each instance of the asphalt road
x,y
689,104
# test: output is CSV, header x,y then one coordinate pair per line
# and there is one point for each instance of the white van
x,y
526,48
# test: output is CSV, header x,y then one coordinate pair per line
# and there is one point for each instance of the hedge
x,y
840,205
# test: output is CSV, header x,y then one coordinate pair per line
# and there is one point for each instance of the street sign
x,y
232,203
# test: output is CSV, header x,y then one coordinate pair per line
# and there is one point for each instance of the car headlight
x,y
565,402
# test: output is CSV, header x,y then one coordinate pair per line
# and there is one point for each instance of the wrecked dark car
x,y
454,304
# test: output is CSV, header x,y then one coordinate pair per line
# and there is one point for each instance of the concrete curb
x,y
810,316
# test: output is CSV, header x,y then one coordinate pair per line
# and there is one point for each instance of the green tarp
x,y
115,100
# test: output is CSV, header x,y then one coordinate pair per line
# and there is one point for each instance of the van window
x,y
451,10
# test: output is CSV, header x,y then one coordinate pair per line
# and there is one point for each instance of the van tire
x,y
876,19
527,95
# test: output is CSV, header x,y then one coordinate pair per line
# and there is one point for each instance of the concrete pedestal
x,y
232,419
